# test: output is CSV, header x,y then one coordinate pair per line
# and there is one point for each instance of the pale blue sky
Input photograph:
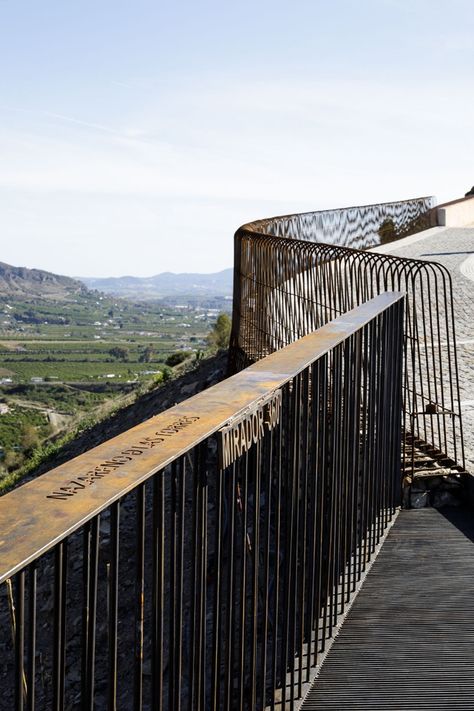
x,y
136,136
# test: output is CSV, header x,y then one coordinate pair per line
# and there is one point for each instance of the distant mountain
x,y
36,283
165,285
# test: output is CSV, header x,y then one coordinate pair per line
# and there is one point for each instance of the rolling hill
x,y
36,283
165,285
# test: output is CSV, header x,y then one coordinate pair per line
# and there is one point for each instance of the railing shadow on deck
x,y
201,559
457,516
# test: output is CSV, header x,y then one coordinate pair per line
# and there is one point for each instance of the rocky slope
x,y
36,283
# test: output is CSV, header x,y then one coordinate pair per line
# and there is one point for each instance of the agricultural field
x,y
60,362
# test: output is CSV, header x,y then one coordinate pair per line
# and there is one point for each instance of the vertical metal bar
x,y
19,639
327,522
59,633
364,465
200,672
295,474
328,612
379,410
357,493
350,462
139,597
303,499
267,496
178,631
90,563
31,638
216,622
335,476
86,583
338,411
345,442
172,578
158,592
397,398
255,459
230,597
390,352
195,547
286,660
385,413
277,554
315,474
371,493
204,568
322,514
244,543
312,435
113,604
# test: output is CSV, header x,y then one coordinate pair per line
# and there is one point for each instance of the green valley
x,y
62,361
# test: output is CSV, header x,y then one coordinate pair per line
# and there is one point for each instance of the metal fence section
x,y
359,227
287,284
200,560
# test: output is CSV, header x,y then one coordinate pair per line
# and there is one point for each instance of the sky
x,y
136,136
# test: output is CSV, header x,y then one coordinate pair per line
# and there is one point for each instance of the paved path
x,y
454,249
407,642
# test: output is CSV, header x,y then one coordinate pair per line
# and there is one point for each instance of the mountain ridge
x,y
37,283
165,284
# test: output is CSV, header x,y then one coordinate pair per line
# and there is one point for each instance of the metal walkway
x,y
408,641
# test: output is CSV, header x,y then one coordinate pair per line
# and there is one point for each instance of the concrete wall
x,y
458,213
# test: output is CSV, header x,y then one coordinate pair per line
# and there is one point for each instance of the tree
x,y
220,334
387,231
29,438
167,373
147,355
119,353
12,460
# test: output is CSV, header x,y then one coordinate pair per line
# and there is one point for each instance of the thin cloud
x,y
80,122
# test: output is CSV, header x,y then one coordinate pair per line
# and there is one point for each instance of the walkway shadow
x,y
462,518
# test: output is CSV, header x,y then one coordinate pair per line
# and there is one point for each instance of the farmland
x,y
61,362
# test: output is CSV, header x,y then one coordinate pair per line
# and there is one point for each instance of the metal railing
x,y
359,227
201,559
287,284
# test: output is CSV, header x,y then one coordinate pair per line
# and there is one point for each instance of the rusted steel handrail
x,y
39,514
165,576
296,272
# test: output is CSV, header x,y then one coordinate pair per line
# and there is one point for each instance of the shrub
x,y
220,335
177,358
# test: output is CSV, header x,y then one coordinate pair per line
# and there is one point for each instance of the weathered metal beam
x,y
40,514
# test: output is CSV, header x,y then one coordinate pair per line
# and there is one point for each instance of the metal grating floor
x,y
408,641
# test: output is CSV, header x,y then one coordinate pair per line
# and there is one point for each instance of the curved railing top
x,y
360,227
294,273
